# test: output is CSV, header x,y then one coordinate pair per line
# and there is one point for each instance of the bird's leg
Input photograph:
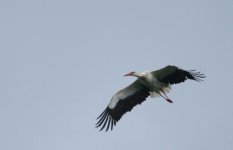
x,y
161,95
167,99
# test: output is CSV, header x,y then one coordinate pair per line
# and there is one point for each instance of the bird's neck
x,y
138,75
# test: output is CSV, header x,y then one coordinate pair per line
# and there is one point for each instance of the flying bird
x,y
147,84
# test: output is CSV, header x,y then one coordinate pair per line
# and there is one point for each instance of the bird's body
x,y
148,83
151,82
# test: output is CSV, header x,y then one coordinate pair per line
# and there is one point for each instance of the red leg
x,y
170,101
167,99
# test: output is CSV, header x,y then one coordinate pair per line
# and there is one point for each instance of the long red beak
x,y
128,74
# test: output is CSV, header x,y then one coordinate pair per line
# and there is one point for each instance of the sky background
x,y
61,62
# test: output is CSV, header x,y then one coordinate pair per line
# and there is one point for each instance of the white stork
x,y
148,83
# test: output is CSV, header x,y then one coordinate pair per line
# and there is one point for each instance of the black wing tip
x,y
109,117
196,75
105,120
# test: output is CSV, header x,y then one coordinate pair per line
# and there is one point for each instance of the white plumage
x,y
148,83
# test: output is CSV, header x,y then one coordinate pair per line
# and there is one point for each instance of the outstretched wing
x,y
122,102
174,75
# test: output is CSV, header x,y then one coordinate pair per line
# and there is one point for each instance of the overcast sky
x,y
61,62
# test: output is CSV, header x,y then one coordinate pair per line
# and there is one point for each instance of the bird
x,y
155,83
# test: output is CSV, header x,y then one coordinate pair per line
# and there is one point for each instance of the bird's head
x,y
133,73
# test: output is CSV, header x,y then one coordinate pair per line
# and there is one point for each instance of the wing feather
x,y
175,75
122,102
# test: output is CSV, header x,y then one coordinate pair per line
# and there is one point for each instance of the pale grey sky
x,y
61,62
